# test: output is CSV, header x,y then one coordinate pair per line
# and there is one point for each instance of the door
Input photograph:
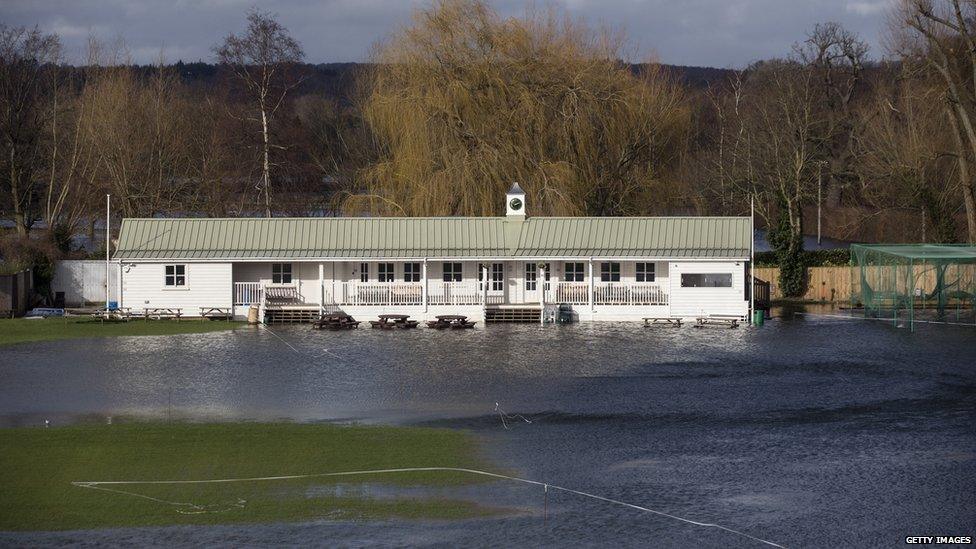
x,y
496,282
531,281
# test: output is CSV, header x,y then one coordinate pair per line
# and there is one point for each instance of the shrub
x,y
19,253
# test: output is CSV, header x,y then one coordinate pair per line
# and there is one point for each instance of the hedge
x,y
811,258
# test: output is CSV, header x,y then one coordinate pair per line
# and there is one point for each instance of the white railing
x,y
453,293
628,293
607,293
574,293
246,293
380,293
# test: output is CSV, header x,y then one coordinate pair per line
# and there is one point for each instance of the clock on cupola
x,y
515,201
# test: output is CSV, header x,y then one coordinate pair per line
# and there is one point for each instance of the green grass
x,y
19,330
37,466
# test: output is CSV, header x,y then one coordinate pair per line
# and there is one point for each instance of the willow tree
x,y
463,102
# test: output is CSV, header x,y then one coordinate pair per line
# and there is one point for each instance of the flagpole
x,y
108,244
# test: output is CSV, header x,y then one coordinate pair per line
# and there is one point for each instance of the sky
x,y
714,33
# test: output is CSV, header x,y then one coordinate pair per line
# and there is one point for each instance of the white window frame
x,y
610,271
645,271
385,272
411,272
574,271
453,271
704,278
532,276
364,272
176,276
279,276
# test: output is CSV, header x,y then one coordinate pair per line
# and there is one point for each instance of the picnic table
x,y
222,313
118,313
672,320
159,313
390,321
732,321
456,322
335,321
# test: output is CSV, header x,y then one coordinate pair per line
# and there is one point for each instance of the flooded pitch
x,y
806,432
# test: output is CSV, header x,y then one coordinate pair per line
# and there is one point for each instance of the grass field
x,y
19,330
37,466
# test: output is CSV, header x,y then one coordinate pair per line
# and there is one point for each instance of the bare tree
x,y
27,70
837,58
768,133
943,33
263,60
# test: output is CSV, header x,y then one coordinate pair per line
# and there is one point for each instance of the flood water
x,y
808,432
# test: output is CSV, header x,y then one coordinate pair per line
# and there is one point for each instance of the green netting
x,y
915,282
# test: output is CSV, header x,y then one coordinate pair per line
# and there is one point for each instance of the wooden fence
x,y
823,283
834,283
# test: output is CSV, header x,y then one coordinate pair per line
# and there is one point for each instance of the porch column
x,y
321,288
540,283
590,293
333,282
484,284
423,280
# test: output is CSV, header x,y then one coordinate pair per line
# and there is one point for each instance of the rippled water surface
x,y
807,432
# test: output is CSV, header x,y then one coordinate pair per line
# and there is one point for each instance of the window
x,y
645,272
385,272
532,275
452,272
176,275
610,272
411,272
364,272
281,273
574,272
497,277
706,280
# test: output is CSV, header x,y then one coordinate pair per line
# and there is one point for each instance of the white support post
x,y
108,243
589,297
484,284
423,290
321,288
541,285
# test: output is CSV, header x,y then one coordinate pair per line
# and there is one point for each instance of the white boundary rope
x,y
100,485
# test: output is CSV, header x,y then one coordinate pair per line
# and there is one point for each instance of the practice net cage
x,y
915,282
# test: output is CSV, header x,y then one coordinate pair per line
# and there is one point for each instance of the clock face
x,y
515,204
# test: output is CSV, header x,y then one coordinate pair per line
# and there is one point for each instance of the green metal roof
x,y
438,237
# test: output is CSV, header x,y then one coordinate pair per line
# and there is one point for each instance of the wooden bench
x,y
731,321
672,320
216,313
160,313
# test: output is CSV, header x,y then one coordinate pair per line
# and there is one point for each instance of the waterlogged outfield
x,y
21,330
37,466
